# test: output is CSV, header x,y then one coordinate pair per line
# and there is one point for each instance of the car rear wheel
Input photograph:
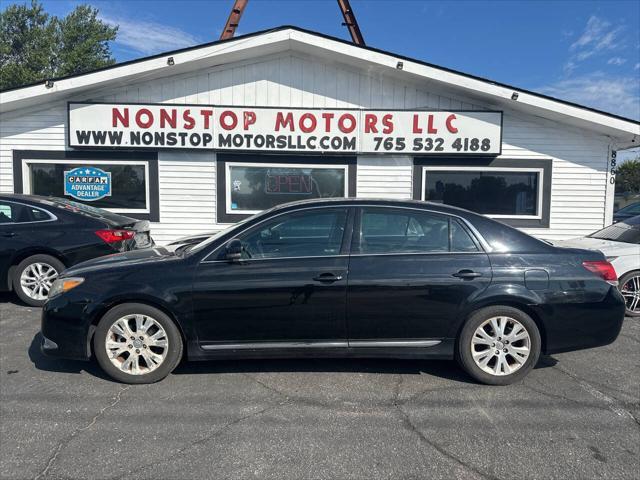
x,y
499,345
630,290
33,277
137,343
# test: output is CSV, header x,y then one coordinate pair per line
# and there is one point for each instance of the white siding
x,y
384,177
187,183
187,180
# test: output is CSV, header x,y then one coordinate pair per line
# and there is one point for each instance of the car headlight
x,y
62,285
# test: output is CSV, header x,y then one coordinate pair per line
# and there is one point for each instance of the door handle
x,y
9,234
467,274
327,277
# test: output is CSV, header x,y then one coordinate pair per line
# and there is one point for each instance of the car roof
x,y
321,202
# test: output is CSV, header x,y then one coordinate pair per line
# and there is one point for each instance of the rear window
x,y
86,210
503,238
619,232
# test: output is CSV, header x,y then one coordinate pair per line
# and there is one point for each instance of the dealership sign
x,y
298,130
87,183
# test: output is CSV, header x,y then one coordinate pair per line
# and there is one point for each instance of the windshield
x,y
619,232
199,246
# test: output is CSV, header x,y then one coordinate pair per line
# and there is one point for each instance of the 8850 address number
x,y
399,144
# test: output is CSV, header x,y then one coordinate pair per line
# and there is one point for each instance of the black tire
x,y
464,345
26,263
623,280
174,349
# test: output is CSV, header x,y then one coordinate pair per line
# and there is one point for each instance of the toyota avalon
x,y
342,277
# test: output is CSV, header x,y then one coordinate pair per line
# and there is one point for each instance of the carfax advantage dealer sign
x,y
301,130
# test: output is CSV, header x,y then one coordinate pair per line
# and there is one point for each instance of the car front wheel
x,y
499,345
137,343
33,277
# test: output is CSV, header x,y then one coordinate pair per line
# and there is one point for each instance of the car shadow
x,y
60,365
10,297
445,369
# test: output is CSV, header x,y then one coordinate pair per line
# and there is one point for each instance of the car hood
x,y
132,257
608,247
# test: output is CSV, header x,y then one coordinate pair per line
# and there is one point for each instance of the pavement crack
x,y
65,441
613,404
410,426
198,442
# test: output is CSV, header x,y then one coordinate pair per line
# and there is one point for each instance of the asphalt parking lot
x,y
577,415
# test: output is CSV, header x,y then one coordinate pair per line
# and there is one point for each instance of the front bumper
x,y
66,330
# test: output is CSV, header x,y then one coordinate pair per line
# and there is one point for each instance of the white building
x,y
180,138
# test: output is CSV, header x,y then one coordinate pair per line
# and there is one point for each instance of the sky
x,y
587,52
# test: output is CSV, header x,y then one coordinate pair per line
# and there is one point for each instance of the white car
x,y
620,243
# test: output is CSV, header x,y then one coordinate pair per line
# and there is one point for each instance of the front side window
x,y
127,181
252,188
311,233
493,192
408,231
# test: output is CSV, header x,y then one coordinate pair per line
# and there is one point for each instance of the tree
x,y
35,46
628,177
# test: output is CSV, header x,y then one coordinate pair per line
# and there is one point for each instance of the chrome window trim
x,y
249,260
52,217
483,243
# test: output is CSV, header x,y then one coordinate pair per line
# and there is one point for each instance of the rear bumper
x,y
570,326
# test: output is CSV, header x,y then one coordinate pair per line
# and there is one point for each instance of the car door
x,y
289,288
17,221
411,271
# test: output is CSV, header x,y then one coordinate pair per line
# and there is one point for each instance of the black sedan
x,y
41,236
347,277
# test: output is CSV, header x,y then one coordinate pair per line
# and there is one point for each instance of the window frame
x,y
538,171
230,165
356,237
543,167
22,159
226,160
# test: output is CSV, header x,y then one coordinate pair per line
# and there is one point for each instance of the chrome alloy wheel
x,y
500,346
36,280
631,293
136,344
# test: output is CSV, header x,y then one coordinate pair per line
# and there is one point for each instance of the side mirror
x,y
233,251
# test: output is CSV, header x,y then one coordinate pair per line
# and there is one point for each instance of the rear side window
x,y
385,230
19,213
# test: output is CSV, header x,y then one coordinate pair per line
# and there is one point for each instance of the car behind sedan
x,y
347,277
620,243
41,236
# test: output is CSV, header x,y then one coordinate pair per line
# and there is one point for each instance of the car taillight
x,y
111,236
603,269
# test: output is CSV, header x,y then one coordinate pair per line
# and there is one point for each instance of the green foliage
x,y
628,177
35,46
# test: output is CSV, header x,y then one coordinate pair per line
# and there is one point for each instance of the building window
x,y
495,192
129,185
121,182
515,191
252,183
